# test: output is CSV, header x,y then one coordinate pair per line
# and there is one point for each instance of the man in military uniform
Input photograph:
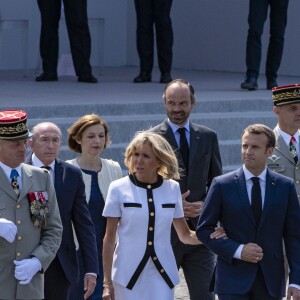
x,y
30,224
285,159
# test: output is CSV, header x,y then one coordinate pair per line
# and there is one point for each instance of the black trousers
x,y
78,31
258,11
57,286
152,13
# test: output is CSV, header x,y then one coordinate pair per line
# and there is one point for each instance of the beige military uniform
x,y
283,162
41,242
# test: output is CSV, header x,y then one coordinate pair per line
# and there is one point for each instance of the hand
x,y
191,209
26,269
252,253
219,233
8,230
90,282
108,291
293,293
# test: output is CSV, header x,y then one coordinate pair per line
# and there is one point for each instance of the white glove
x,y
8,230
26,269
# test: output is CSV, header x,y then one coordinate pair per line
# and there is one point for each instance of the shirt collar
x,y
7,170
249,175
175,127
37,163
287,137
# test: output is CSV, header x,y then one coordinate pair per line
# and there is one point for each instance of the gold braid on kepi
x,y
286,94
13,125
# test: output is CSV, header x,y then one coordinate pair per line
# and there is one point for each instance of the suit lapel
x,y
270,194
240,183
169,135
58,177
26,181
196,139
5,185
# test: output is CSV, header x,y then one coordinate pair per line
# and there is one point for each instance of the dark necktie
x,y
184,148
46,167
293,149
256,201
14,182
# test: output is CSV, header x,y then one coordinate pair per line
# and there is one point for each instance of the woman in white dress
x,y
141,208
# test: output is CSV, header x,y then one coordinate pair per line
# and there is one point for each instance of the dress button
x,y
150,243
150,200
148,186
150,228
152,214
162,270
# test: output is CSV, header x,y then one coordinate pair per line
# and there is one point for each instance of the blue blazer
x,y
70,193
227,201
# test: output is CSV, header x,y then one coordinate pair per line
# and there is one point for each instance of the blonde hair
x,y
162,150
76,130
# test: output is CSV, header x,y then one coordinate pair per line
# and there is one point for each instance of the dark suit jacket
x,y
228,202
70,193
204,161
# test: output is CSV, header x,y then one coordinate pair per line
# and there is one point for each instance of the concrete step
x,y
227,117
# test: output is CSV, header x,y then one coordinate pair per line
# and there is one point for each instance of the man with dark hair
x,y
197,151
257,208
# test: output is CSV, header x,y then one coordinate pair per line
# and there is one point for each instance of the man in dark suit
x,y
69,186
79,35
199,159
258,11
257,208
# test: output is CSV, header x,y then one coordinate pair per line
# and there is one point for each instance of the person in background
x,y
258,12
88,137
79,35
30,224
285,159
150,13
141,208
258,208
69,187
197,151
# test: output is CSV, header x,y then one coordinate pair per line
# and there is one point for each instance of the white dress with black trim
x,y
144,265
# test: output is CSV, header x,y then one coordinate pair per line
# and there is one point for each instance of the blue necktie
x,y
14,182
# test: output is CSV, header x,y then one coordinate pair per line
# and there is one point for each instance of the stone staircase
x,y
227,117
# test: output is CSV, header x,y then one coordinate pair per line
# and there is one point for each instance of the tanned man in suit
x,y
258,208
30,224
69,186
197,151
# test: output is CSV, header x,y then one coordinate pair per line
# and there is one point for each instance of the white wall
x,y
208,34
211,35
